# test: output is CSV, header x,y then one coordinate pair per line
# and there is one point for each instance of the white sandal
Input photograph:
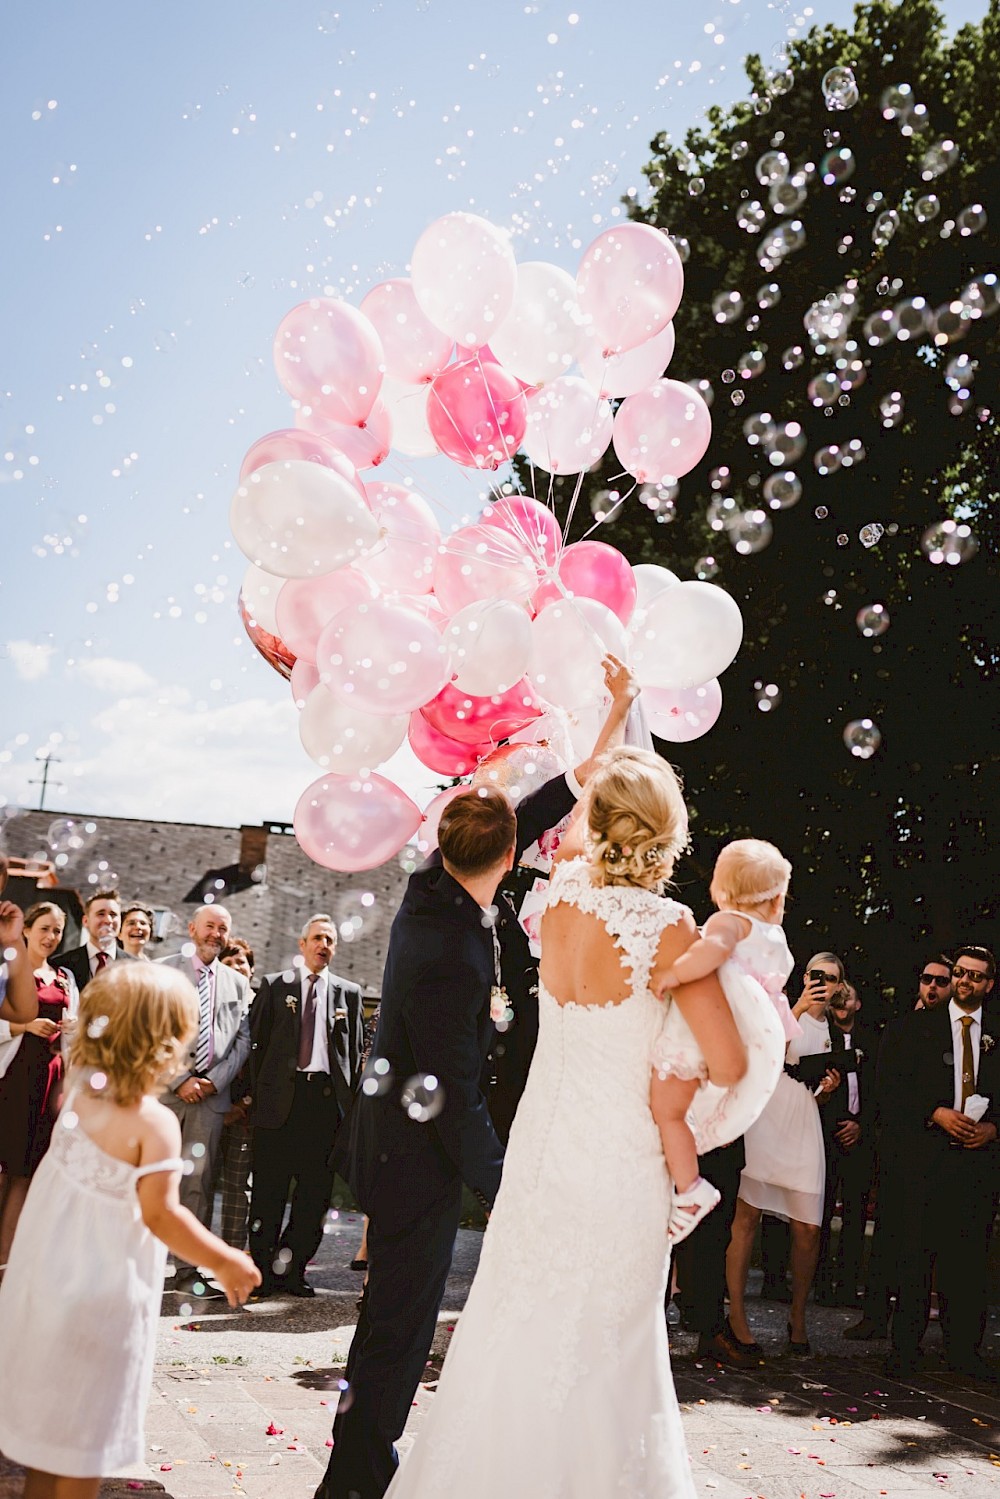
x,y
703,1197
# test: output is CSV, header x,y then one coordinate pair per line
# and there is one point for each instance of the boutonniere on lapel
x,y
340,1014
986,1043
859,1055
292,1001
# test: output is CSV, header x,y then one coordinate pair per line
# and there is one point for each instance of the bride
x,y
557,1383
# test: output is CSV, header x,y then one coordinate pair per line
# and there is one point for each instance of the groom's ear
x,y
511,852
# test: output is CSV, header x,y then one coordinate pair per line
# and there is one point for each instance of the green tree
x,y
896,852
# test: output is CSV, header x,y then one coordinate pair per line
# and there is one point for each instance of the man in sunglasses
x,y
934,984
946,1099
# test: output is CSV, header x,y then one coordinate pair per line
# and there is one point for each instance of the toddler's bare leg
x,y
670,1099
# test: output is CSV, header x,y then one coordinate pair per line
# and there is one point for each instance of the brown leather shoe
x,y
725,1350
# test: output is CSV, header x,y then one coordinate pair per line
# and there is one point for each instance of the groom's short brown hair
x,y
477,829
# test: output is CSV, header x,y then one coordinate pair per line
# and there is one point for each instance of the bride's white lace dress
x,y
557,1384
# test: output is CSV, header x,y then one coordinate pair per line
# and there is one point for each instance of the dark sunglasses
x,y
968,973
817,976
942,980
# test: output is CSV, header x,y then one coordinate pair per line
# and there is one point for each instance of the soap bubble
x,y
720,478
913,317
768,295
681,245
821,512
891,408
787,197
782,241
722,513
786,445
377,1079
881,327
840,89
843,539
750,365
783,490
727,306
981,298
872,620
705,569
793,358
862,737
960,373
422,1097
971,220
828,320
751,532
949,541
870,535
823,389
696,186
739,150
782,81
69,835
897,102
885,227
827,459
751,217
853,452
837,167
767,696
926,208
950,322
773,167
937,159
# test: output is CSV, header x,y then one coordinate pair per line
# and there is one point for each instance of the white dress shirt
x,y
955,1014
320,1059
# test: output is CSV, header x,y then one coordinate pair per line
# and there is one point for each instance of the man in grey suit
x,y
306,1063
200,1096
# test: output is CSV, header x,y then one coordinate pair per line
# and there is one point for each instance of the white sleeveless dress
x,y
557,1384
79,1307
753,979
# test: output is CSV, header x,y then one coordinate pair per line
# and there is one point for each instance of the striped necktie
x,y
203,1048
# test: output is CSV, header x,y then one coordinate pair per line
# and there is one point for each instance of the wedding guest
x,y
136,930
306,1029
80,1300
848,1134
29,1089
200,1096
945,1091
18,995
102,920
934,983
236,1141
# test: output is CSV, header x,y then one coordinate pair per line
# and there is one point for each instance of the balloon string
x,y
580,476
609,514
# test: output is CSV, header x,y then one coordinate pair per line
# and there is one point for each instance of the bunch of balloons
x,y
392,631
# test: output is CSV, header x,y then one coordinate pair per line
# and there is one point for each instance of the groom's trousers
x,y
701,1257
407,1271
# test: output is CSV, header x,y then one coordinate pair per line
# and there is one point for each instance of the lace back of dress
x,y
635,918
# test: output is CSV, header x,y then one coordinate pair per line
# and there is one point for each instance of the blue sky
x,y
176,177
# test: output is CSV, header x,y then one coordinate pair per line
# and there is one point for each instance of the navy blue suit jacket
x,y
435,1018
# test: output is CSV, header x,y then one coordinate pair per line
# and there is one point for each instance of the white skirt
x,y
785,1173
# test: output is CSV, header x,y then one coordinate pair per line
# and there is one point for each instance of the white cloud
x,y
111,674
29,660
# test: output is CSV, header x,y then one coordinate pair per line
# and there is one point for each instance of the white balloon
x,y
539,337
340,737
651,579
260,594
490,643
627,373
405,558
407,407
298,519
464,276
569,426
691,633
570,638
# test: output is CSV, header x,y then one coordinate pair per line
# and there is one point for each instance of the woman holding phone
x,y
785,1170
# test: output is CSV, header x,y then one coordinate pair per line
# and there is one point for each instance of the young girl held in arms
x,y
744,941
81,1295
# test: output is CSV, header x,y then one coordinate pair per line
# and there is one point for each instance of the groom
x,y
408,1158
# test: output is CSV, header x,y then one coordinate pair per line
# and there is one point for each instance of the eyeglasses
x,y
969,973
941,979
817,976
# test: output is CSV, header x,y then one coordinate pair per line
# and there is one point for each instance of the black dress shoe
x,y
724,1350
300,1288
753,1347
193,1284
865,1331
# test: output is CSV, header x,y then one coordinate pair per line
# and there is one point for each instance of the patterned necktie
x,y
968,1065
203,1048
102,960
307,1029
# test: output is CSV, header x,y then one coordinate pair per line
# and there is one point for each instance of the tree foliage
x,y
893,855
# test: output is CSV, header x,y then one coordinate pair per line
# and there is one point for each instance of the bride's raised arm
x,y
704,1007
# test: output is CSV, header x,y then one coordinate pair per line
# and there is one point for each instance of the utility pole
x,y
48,758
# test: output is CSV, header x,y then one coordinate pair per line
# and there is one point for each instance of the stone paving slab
x,y
243,1403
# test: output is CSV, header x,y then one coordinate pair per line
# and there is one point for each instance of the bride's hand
x,y
619,681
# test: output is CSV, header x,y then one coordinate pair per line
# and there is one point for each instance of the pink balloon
x,y
274,650
628,373
381,657
663,432
593,570
464,275
477,720
477,414
327,350
683,714
405,559
629,285
483,562
415,351
345,823
427,838
569,426
366,444
304,678
448,757
306,605
530,521
276,447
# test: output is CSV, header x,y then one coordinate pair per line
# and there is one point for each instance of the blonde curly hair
x,y
135,1023
636,819
749,873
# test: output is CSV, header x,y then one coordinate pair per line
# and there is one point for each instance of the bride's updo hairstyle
x,y
749,874
636,818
